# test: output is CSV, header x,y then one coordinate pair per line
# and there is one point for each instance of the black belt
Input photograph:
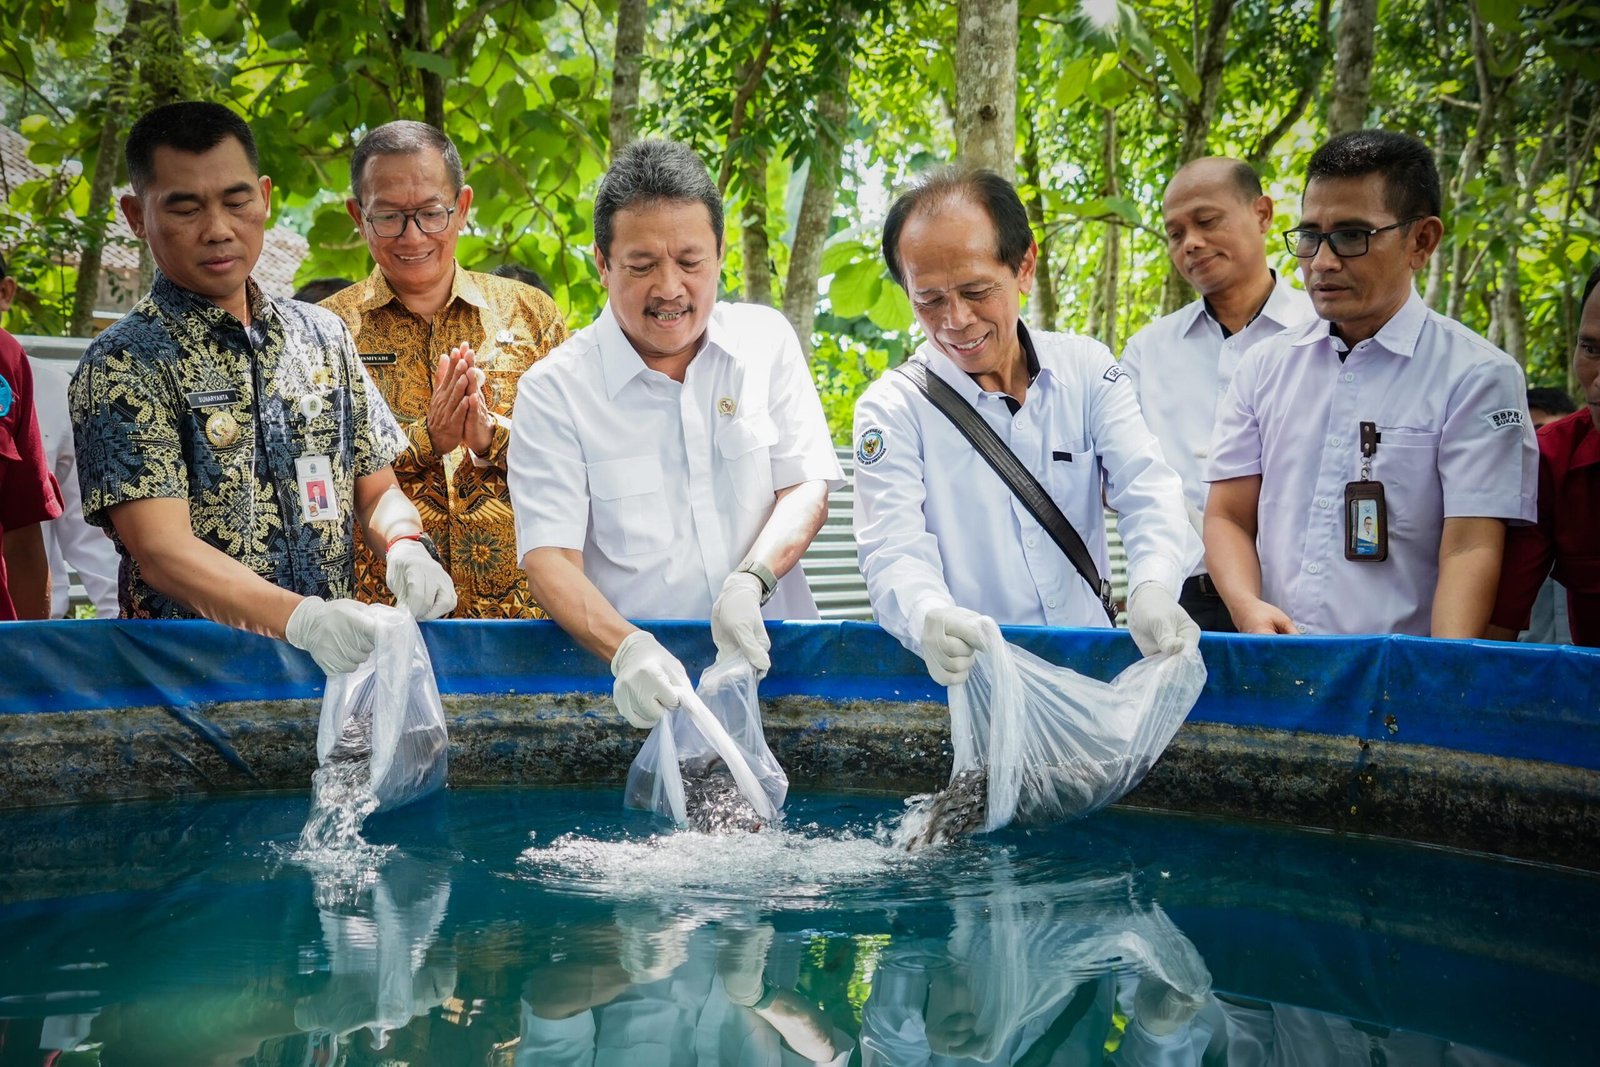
x,y
1200,585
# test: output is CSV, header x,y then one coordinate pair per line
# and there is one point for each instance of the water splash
x,y
777,865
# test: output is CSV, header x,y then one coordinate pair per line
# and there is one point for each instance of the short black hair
x,y
647,172
192,126
319,289
1588,287
1410,176
946,185
526,275
404,137
1555,401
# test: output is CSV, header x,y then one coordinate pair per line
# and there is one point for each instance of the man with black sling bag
x,y
995,508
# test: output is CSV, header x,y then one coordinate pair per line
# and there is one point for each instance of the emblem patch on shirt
x,y
726,406
870,448
1505,417
5,397
1112,374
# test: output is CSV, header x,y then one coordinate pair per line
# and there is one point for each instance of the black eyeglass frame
x,y
408,218
1292,238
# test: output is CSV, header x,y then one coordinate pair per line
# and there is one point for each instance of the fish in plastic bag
x,y
1037,743
387,712
706,765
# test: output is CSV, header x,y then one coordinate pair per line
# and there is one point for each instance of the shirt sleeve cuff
x,y
1163,572
499,443
787,472
549,535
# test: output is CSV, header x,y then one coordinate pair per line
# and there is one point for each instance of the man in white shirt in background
x,y
1216,219
1378,407
942,540
671,460
69,540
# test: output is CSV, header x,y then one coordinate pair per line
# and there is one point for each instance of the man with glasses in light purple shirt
x,y
1380,407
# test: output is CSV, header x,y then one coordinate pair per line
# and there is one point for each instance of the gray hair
x,y
403,138
647,172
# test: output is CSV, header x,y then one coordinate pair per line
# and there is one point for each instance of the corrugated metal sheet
x,y
836,582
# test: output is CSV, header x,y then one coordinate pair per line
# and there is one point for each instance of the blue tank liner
x,y
1534,702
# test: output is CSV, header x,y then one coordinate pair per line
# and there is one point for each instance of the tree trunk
x,y
1043,305
753,232
1208,63
626,61
986,85
86,291
1113,256
1473,153
419,35
1352,66
816,203
1211,46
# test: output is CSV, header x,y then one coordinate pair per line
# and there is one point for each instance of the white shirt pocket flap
x,y
746,434
614,479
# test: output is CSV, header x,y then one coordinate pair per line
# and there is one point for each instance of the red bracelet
x,y
403,537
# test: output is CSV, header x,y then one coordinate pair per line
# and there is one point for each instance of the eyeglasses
x,y
431,219
1346,244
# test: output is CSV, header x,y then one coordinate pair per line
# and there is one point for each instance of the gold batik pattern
x,y
466,508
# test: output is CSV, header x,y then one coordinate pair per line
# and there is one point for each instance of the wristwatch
x,y
764,575
421,538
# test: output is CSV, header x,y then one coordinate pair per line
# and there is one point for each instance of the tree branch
x,y
470,24
741,100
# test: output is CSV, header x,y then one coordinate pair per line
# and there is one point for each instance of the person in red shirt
x,y
28,491
1566,539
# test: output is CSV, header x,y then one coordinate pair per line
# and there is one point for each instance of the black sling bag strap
x,y
1011,471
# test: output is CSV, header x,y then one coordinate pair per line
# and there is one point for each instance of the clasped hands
x,y
457,412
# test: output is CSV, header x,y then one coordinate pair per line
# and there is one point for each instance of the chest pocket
x,y
222,441
1407,463
628,501
1074,483
324,433
745,445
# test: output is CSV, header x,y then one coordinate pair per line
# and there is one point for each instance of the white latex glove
x,y
736,623
1158,624
418,582
742,962
647,676
1161,1009
339,634
951,638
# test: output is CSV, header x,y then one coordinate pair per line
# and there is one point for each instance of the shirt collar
x,y
375,291
620,362
963,382
180,303
1398,335
1586,448
1278,308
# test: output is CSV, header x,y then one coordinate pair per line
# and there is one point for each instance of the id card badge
x,y
1366,523
314,476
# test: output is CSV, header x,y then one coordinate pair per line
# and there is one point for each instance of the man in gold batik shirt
x,y
445,346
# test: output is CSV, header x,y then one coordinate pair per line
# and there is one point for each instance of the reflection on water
x,y
180,934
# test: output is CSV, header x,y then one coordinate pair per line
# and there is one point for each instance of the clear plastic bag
x,y
1055,745
387,711
707,764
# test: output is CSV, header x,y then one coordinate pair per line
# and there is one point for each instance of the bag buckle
x,y
1107,601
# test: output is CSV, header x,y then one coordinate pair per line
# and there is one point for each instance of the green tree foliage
x,y
1507,93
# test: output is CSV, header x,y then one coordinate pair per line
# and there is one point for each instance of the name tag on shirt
x,y
211,398
378,359
314,475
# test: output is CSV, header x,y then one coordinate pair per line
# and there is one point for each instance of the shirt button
x,y
1300,627
1322,502
1349,377
1315,568
1050,602
1029,542
1336,441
